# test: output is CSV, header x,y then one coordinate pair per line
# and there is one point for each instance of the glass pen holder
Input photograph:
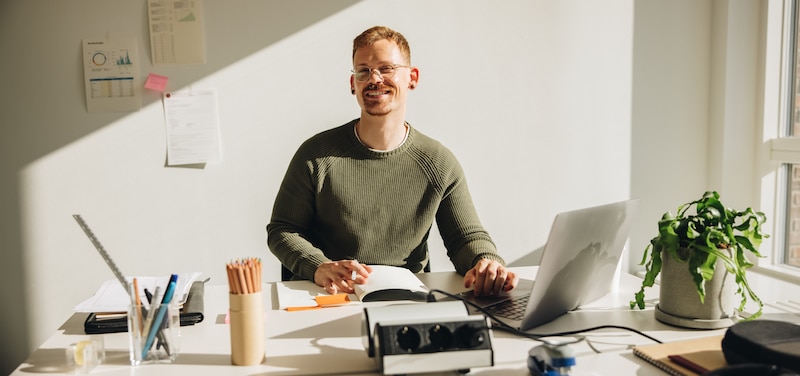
x,y
154,333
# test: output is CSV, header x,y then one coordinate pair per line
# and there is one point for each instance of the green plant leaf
x,y
653,267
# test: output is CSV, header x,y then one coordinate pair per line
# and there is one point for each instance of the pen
x,y
353,274
688,364
302,308
150,313
159,317
162,341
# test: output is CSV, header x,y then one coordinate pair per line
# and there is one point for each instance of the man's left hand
x,y
490,277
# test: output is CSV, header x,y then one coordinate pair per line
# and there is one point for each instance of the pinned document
x,y
176,32
111,74
192,127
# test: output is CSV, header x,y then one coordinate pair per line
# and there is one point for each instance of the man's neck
x,y
381,133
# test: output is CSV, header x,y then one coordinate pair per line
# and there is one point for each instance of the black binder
x,y
191,313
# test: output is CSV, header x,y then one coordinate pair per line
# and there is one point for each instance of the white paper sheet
x,y
192,126
176,31
111,75
112,297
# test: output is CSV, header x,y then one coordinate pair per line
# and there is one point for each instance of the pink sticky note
x,y
156,82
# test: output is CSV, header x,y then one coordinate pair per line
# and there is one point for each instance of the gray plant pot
x,y
680,305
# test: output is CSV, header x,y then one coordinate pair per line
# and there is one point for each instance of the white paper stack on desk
x,y
107,308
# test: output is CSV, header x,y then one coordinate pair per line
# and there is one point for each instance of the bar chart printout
x,y
111,75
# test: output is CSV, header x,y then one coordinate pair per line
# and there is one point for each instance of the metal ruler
x,y
103,253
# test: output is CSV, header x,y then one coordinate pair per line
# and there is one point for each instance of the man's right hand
x,y
340,276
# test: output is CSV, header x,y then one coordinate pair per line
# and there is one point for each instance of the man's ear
x,y
414,78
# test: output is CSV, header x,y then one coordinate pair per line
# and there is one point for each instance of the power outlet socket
x,y
441,345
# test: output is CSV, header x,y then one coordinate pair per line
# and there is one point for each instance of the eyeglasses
x,y
362,74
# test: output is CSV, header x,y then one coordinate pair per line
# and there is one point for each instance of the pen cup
x,y
247,328
154,333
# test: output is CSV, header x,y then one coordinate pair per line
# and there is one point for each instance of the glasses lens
x,y
362,74
386,71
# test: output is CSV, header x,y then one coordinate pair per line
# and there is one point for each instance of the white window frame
x,y
775,148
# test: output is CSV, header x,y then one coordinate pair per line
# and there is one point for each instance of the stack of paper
x,y
112,297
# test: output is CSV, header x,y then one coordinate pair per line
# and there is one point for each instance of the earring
x,y
353,91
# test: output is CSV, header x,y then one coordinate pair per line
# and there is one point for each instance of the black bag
x,y
763,342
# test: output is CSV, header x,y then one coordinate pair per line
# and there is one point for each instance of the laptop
x,y
577,266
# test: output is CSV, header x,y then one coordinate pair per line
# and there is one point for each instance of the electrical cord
x,y
534,336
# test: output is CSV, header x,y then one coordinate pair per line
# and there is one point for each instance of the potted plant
x,y
697,245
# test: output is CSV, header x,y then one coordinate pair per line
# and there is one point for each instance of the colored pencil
x,y
244,275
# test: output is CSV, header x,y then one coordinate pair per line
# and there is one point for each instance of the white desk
x,y
328,341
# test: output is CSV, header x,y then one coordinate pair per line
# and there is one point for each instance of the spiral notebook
x,y
689,357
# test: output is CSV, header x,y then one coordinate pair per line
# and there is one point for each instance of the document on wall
x,y
192,126
111,74
176,31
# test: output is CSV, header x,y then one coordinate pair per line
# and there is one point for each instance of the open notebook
x,y
385,283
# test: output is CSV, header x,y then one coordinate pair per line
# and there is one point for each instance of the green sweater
x,y
341,200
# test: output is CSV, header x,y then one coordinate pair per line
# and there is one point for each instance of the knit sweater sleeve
x,y
288,233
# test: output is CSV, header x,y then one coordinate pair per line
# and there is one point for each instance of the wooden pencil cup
x,y
247,328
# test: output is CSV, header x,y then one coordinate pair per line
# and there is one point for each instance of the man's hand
x,y
489,277
340,276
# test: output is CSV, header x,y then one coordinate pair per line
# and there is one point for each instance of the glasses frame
x,y
378,70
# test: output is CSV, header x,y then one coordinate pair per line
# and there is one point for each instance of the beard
x,y
379,107
377,110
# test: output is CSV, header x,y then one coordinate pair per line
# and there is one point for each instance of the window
x,y
785,136
791,249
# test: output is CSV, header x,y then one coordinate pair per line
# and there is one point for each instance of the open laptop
x,y
577,266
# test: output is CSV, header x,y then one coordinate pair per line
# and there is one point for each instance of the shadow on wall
x,y
531,259
252,24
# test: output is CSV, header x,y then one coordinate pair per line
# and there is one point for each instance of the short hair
x,y
377,33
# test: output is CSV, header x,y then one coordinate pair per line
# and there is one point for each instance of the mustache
x,y
378,87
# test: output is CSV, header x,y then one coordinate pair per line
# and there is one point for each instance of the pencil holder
x,y
154,333
247,328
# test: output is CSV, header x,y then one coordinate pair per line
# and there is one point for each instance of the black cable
x,y
534,336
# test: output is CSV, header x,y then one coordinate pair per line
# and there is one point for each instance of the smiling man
x,y
371,189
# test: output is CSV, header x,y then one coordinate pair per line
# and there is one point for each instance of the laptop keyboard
x,y
512,308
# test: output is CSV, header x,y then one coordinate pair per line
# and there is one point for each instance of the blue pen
x,y
162,310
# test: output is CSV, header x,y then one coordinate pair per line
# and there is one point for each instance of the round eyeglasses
x,y
362,74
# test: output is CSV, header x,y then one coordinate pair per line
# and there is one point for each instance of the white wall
x,y
670,110
535,98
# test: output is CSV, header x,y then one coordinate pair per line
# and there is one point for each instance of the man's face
x,y
381,95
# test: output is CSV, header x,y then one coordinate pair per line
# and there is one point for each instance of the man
x,y
369,190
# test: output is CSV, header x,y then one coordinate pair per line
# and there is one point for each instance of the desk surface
x,y
328,341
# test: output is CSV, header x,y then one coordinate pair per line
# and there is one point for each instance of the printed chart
x,y
111,70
